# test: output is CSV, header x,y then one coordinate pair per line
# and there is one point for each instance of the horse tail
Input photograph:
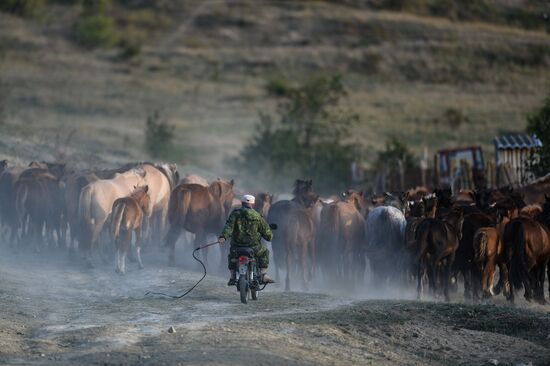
x,y
518,273
329,234
116,221
180,200
480,245
21,195
423,238
85,212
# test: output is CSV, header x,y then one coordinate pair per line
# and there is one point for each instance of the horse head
x,y
354,197
263,203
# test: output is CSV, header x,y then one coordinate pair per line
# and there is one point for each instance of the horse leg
x,y
138,247
489,277
527,285
288,269
432,277
117,265
419,278
467,274
170,242
304,265
539,291
447,277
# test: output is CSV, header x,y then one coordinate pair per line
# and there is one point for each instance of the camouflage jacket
x,y
246,227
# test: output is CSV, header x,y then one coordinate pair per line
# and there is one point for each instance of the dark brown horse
x,y
8,214
39,199
198,209
438,240
285,214
127,218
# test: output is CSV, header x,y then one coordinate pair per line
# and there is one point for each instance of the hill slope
x,y
428,80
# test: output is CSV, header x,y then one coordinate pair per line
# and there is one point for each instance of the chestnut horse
x,y
527,248
198,209
294,238
340,243
128,213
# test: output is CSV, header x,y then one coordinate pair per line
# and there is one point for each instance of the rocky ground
x,y
55,312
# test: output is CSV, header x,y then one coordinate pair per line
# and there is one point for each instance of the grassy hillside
x,y
432,79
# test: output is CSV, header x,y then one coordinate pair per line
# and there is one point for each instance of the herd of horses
x,y
418,237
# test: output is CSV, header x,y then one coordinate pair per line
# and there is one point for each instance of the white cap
x,y
249,199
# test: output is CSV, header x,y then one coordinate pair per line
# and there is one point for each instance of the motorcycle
x,y
249,280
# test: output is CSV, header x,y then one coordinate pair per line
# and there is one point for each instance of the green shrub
x,y
95,31
23,8
159,136
278,87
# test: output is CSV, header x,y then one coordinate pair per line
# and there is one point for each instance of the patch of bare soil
x,y
55,312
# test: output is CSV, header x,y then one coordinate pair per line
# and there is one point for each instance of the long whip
x,y
196,284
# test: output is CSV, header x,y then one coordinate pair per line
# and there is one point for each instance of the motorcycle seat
x,y
249,252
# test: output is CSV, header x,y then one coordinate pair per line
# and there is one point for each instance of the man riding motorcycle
x,y
246,227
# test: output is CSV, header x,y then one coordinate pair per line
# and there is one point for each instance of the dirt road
x,y
54,312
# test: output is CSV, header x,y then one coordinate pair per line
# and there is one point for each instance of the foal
x,y
127,217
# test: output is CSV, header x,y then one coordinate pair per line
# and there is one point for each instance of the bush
x,y
24,8
539,124
278,87
159,136
95,31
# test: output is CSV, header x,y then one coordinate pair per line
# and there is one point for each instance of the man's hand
x,y
221,240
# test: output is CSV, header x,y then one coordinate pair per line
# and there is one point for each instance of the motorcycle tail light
x,y
243,260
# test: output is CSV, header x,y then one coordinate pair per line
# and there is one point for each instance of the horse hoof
x,y
171,264
141,267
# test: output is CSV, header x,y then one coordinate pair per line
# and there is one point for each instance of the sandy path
x,y
54,312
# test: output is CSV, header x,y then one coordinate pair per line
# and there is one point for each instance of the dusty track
x,y
54,312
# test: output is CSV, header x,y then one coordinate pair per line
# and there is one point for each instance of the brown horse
x,y
194,179
263,203
527,249
488,254
128,214
438,240
285,214
199,210
418,210
8,215
74,183
96,201
39,199
340,243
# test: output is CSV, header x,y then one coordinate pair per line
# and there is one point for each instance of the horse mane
x,y
531,211
171,175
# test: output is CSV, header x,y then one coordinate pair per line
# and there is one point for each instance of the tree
x,y
539,124
310,137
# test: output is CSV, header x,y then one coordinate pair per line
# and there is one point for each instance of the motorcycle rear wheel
x,y
243,288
